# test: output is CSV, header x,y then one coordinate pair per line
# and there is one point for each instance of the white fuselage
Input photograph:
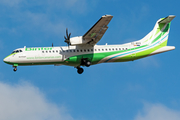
x,y
56,55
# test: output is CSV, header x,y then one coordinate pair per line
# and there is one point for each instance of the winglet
x,y
167,19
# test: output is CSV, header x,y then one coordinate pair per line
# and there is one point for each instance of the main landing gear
x,y
80,70
84,62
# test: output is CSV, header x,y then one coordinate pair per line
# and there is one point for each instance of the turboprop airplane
x,y
83,51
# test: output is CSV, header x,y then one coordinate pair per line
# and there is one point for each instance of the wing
x,y
97,30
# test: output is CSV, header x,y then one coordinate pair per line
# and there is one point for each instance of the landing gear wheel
x,y
80,70
87,63
15,69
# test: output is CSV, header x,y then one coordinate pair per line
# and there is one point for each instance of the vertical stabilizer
x,y
160,32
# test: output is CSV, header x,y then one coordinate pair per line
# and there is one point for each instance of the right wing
x,y
97,31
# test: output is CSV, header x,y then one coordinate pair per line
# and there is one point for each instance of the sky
x,y
146,89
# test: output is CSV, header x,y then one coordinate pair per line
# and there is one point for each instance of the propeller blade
x,y
67,33
67,37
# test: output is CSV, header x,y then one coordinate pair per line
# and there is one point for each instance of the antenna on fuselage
x,y
52,44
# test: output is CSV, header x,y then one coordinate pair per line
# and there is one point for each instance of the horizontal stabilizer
x,y
163,49
167,19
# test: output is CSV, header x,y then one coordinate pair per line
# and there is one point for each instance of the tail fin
x,y
160,32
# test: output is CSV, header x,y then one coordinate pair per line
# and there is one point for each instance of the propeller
x,y
67,37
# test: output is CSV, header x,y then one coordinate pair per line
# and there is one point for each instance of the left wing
x,y
97,31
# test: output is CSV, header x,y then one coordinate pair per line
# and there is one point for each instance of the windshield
x,y
16,51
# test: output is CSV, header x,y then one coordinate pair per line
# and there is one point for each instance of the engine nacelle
x,y
77,41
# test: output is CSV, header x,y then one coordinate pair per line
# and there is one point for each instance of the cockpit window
x,y
13,52
16,51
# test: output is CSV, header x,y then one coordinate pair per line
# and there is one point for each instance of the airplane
x,y
83,51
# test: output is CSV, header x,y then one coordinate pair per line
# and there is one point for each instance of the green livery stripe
x,y
136,51
141,54
96,57
162,33
160,28
10,55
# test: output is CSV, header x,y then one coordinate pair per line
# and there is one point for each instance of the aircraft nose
x,y
6,59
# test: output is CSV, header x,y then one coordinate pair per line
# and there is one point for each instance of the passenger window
x,y
109,49
66,50
77,50
70,50
98,49
57,51
88,50
53,51
46,51
122,48
84,50
113,49
81,50
126,49
49,51
106,49
119,48
42,51
102,49
92,50
74,50
116,49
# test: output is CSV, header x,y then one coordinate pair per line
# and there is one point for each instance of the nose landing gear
x,y
15,68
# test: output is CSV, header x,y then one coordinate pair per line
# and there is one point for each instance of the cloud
x,y
157,112
43,22
77,5
149,61
48,4
11,3
24,101
48,17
